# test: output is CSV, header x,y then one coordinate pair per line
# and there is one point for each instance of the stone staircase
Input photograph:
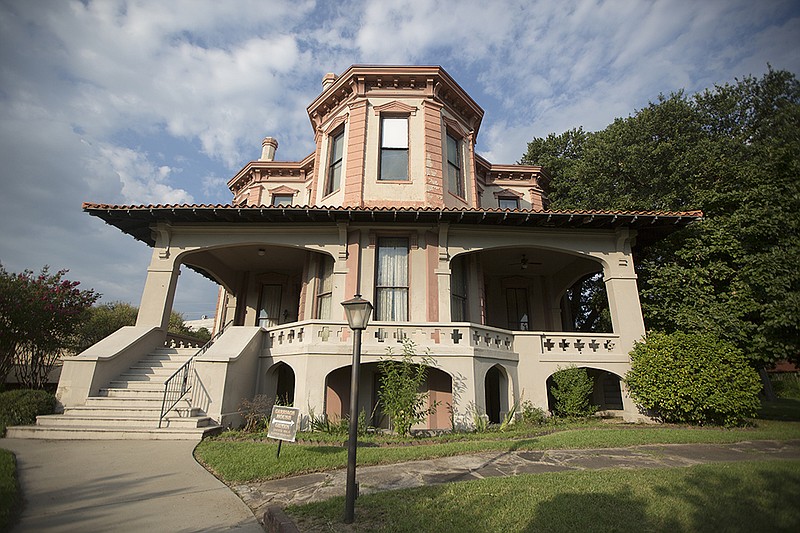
x,y
128,408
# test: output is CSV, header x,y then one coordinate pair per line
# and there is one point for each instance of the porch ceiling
x,y
136,220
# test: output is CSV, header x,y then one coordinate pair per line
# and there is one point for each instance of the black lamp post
x,y
358,312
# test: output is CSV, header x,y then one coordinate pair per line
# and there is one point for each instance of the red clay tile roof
x,y
135,220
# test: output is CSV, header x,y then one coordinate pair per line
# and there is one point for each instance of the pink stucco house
x,y
459,254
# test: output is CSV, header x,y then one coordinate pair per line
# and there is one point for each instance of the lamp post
x,y
358,312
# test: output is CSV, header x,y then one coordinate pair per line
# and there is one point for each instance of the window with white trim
x,y
391,279
324,287
394,149
282,199
454,174
335,163
508,202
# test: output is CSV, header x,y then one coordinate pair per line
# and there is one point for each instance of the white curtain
x,y
391,285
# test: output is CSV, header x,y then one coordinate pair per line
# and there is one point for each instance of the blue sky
x,y
162,102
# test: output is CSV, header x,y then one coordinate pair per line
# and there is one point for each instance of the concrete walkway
x,y
120,485
315,487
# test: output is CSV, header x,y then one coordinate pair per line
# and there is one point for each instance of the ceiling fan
x,y
523,262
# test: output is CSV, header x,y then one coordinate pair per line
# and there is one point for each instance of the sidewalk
x,y
122,485
314,487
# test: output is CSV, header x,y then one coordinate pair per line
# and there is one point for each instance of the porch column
x,y
623,293
442,273
159,289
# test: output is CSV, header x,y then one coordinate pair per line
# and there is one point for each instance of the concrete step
x,y
136,384
160,376
105,433
122,411
121,421
122,393
133,401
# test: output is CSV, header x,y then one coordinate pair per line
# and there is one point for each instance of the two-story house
x,y
456,253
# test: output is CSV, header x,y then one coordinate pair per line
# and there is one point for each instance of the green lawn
x,y
746,497
238,461
9,493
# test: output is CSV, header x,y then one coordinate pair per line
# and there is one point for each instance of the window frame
x,y
459,188
459,301
331,186
389,149
381,314
325,268
501,199
276,203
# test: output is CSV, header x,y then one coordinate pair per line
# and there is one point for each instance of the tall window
x,y
335,163
454,173
391,279
517,304
394,148
458,290
324,287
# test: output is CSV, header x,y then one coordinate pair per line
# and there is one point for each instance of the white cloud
x,y
145,101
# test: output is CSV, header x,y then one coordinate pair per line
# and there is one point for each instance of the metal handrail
x,y
178,384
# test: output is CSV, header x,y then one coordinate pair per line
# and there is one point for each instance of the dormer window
x,y
394,149
335,163
282,199
508,202
454,174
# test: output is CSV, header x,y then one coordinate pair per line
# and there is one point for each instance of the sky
x,y
140,102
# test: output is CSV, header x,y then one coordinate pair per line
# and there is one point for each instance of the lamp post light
x,y
358,312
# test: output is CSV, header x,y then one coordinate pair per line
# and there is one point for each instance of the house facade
x,y
457,254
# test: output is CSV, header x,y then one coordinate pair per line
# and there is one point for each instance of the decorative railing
x,y
302,337
457,339
177,340
181,381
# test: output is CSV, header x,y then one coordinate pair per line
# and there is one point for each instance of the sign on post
x,y
283,423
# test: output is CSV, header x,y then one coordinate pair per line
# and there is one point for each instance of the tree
x,y
399,392
732,151
101,321
39,314
693,378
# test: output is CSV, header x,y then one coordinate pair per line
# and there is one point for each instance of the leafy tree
x,y
588,305
732,151
39,314
400,384
101,321
693,378
572,390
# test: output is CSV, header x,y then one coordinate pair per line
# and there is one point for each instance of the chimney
x,y
268,148
327,80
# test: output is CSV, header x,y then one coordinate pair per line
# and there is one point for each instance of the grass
x,y
780,409
238,461
9,490
749,496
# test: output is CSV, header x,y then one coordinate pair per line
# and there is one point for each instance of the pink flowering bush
x,y
38,316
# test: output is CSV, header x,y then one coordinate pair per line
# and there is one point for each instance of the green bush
x,y
787,386
572,389
10,499
532,415
693,378
20,407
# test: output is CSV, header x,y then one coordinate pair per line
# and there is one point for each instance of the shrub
x,y
693,378
787,386
22,406
572,388
531,415
256,412
400,383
